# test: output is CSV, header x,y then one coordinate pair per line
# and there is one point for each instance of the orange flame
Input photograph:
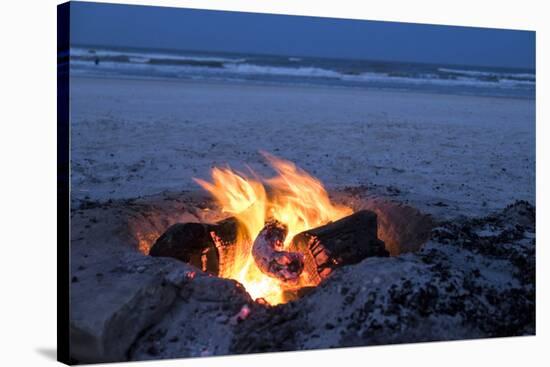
x,y
295,198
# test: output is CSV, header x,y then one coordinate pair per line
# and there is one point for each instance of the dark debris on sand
x,y
474,278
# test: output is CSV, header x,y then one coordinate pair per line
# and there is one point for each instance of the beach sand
x,y
445,154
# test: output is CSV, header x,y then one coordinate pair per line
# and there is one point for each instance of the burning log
x,y
313,254
194,243
343,242
270,257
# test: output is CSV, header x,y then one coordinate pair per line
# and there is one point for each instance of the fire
x,y
292,197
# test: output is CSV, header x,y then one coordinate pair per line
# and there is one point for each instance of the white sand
x,y
132,137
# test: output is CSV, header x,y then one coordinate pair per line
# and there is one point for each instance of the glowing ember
x,y
242,315
295,199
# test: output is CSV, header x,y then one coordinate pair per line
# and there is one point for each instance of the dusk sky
x,y
202,30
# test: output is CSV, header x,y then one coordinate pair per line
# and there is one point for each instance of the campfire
x,y
282,234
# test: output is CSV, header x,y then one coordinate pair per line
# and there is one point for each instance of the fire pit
x,y
283,236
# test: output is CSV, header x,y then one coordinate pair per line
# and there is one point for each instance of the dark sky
x,y
202,30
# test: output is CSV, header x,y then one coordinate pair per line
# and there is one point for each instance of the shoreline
x,y
263,83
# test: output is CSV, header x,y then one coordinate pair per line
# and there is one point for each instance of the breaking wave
x,y
298,70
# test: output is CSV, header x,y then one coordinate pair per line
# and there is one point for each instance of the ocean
x,y
117,62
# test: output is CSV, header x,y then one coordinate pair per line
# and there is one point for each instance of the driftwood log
x,y
344,242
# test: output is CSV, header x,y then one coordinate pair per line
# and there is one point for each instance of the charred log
x,y
344,242
196,243
270,257
312,254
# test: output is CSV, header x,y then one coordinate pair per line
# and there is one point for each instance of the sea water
x,y
118,62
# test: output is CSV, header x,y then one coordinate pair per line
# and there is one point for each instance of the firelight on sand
x,y
292,197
